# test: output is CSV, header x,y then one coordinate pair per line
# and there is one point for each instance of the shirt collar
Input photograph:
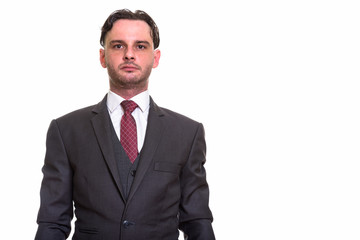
x,y
142,100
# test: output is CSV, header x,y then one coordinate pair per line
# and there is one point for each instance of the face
x,y
129,55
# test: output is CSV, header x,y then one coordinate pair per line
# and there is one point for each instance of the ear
x,y
102,58
157,55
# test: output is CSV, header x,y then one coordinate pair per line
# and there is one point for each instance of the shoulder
x,y
79,114
84,114
180,124
175,116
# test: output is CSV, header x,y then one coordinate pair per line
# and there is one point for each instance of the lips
x,y
129,67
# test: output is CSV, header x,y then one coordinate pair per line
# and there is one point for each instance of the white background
x,y
275,83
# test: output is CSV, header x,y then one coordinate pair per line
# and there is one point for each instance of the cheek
x,y
112,59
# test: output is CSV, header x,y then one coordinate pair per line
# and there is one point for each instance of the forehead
x,y
127,30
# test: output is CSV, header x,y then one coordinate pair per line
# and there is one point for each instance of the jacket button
x,y
128,224
133,172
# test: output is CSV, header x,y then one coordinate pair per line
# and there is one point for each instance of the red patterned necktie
x,y
128,134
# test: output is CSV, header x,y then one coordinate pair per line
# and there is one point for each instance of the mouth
x,y
129,67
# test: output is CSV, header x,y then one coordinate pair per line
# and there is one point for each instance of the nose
x,y
129,54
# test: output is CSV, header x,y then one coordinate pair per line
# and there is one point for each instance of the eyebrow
x,y
122,42
143,42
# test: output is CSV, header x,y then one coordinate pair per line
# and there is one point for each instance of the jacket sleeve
x,y
194,215
56,207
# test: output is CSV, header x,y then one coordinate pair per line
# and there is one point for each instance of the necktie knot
x,y
129,106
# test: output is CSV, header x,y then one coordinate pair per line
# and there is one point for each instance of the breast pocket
x,y
167,167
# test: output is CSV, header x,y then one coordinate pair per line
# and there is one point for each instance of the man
x,y
133,170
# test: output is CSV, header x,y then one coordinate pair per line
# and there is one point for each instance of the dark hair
x,y
127,14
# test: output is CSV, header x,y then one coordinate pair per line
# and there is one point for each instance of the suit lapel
x,y
154,132
102,127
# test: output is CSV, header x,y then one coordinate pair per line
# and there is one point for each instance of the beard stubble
x,y
120,79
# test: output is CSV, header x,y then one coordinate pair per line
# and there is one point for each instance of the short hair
x,y
127,14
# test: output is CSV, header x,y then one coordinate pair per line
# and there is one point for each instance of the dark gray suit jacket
x,y
169,191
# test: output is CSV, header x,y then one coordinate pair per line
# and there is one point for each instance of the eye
x,y
118,46
141,47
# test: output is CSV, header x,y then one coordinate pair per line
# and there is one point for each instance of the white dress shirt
x,y
140,114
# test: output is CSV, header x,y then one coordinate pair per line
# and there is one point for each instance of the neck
x,y
127,93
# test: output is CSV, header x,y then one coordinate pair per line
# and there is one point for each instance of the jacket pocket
x,y
86,234
167,167
89,230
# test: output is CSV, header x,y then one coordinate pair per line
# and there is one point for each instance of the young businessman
x,y
132,170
